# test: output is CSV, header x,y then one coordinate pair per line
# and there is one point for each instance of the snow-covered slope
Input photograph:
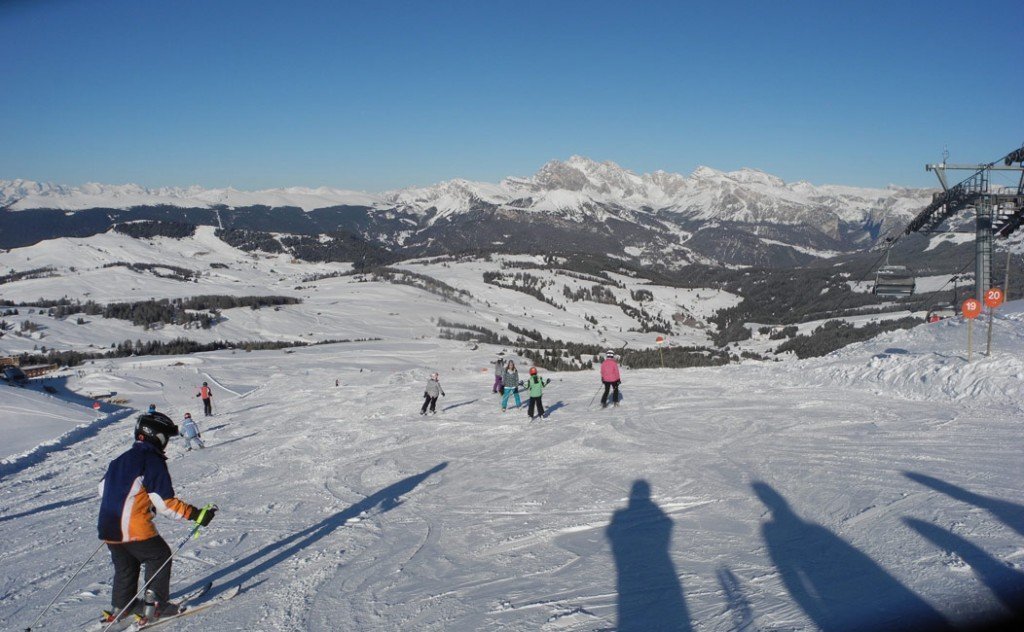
x,y
876,486
332,308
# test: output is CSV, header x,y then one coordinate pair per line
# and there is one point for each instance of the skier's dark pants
x,y
207,406
497,385
540,406
128,557
428,401
615,396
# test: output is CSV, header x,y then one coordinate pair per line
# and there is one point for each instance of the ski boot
x,y
152,610
110,616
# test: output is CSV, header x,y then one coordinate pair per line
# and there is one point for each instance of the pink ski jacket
x,y
609,371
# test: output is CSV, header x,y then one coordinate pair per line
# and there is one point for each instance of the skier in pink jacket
x,y
610,378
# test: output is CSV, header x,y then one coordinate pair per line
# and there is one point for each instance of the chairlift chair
x,y
894,281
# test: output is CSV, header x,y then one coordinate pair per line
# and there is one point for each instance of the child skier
x,y
190,430
430,394
610,378
510,382
536,386
207,396
136,486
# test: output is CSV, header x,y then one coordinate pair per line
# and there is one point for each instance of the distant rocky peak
x,y
706,173
747,175
579,173
557,175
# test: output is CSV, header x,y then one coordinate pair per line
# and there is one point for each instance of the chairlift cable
x,y
870,269
929,307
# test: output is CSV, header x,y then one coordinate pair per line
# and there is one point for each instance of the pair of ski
x,y
185,609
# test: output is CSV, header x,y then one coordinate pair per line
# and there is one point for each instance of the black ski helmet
x,y
155,428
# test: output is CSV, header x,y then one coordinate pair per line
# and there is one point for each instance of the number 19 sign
x,y
971,308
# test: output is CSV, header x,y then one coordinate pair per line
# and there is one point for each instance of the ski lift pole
x,y
993,299
970,332
64,587
971,309
991,317
1006,277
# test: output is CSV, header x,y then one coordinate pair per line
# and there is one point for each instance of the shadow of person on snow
x,y
458,404
650,593
50,507
737,603
553,407
272,554
1010,514
243,437
838,586
1006,583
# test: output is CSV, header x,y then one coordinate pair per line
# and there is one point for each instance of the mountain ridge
x,y
550,187
575,205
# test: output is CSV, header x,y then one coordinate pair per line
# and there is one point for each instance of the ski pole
x,y
62,588
595,396
193,533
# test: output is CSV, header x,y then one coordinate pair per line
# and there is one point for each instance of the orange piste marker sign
x,y
971,308
994,297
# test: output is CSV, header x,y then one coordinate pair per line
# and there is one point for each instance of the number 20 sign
x,y
994,297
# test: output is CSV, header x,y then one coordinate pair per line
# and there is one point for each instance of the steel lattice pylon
x,y
975,193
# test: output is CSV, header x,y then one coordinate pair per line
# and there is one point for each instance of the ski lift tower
x,y
996,208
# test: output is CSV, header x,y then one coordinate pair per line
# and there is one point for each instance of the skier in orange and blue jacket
x,y
137,486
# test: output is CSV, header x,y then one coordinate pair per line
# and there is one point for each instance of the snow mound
x,y
929,362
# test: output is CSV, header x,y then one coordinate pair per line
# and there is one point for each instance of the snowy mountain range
x,y
569,204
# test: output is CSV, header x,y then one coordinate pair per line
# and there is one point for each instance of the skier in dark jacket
x,y
207,395
136,486
431,393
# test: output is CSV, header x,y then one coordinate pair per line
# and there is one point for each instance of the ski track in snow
x,y
343,508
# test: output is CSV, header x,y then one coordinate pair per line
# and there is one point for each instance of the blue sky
x,y
379,95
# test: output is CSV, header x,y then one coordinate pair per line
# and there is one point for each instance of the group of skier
x,y
508,385
137,485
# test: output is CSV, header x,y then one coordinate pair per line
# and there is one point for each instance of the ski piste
x,y
131,620
188,611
